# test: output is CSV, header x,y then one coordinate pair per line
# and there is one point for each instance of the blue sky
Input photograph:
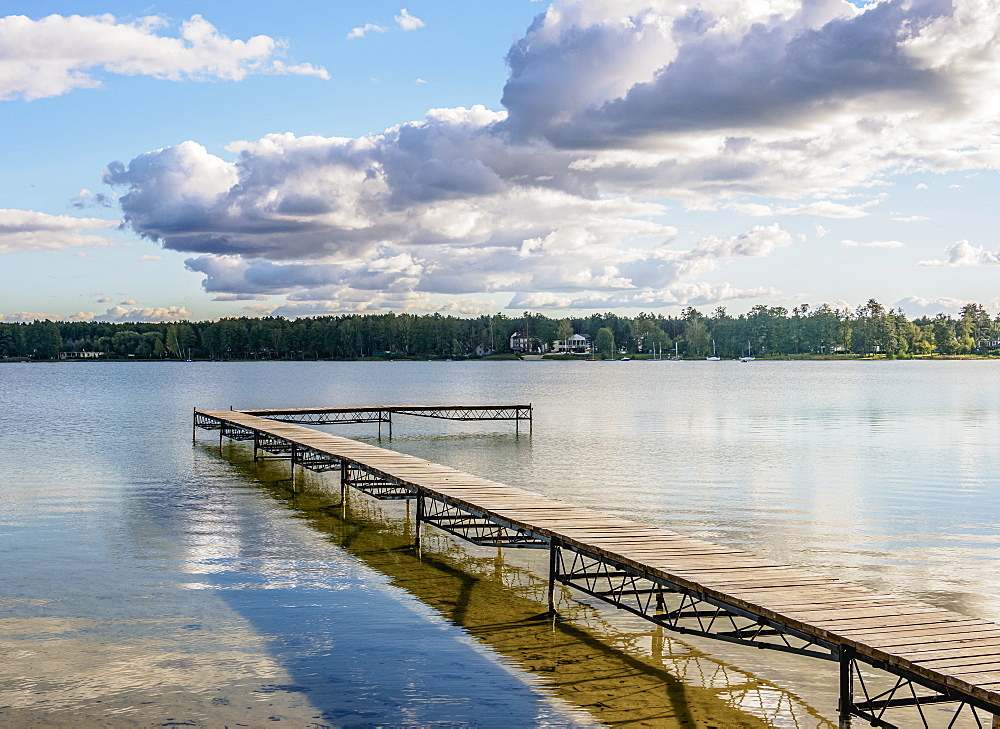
x,y
625,156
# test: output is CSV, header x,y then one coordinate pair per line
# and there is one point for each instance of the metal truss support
x,y
376,485
236,432
315,461
905,691
324,418
276,447
476,527
339,416
676,607
488,412
205,422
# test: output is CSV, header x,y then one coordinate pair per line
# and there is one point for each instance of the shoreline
x,y
528,358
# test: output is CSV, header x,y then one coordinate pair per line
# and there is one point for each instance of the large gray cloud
x,y
717,74
448,177
611,104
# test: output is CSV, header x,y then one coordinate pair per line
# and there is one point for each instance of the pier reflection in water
x,y
619,670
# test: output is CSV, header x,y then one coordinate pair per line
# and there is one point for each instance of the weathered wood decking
x,y
935,656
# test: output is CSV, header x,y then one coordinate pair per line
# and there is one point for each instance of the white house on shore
x,y
577,344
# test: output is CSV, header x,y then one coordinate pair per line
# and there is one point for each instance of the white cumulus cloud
x,y
53,55
915,306
25,316
362,30
27,230
873,243
154,314
405,21
119,314
963,253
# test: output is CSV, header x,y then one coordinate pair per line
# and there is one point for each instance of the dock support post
x,y
418,520
390,424
531,420
256,444
553,573
846,687
194,424
343,482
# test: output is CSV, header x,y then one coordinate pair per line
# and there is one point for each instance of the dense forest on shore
x,y
768,331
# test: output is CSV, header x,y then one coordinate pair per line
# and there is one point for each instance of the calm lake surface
x,y
151,581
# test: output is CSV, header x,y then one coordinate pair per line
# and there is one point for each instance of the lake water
x,y
151,581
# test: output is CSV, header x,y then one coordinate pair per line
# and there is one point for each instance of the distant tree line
x,y
765,330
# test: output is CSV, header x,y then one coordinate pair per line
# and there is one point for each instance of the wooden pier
x,y
922,656
383,414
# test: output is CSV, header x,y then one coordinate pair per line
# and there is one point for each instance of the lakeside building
x,y
577,344
80,355
521,342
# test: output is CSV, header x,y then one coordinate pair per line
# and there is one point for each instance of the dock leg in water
x,y
846,687
343,483
417,524
553,571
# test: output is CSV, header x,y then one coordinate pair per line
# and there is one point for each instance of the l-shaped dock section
x,y
928,659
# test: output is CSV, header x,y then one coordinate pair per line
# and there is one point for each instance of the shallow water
x,y
149,581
